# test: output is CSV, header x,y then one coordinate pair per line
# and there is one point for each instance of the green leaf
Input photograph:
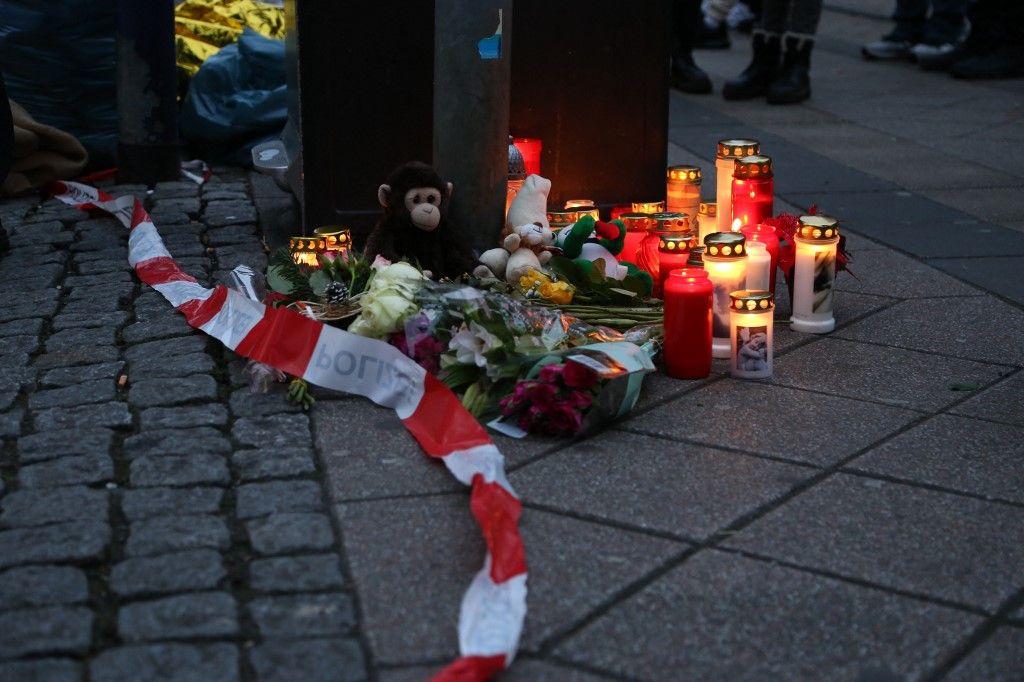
x,y
318,281
277,282
596,274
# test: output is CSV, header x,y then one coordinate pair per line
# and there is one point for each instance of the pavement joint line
x,y
936,353
981,633
612,523
859,399
860,582
397,497
723,448
860,473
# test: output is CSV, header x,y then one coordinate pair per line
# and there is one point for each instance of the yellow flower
x,y
533,278
557,292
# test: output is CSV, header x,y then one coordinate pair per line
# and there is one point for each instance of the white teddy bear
x,y
527,235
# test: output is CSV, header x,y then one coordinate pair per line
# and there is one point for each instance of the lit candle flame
x,y
736,225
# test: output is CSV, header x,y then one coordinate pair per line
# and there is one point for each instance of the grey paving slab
x,y
831,428
998,275
983,329
887,273
861,370
997,659
947,546
679,488
726,617
171,662
1003,402
367,452
915,224
957,453
314,660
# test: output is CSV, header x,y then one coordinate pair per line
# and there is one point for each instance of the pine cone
x,y
335,293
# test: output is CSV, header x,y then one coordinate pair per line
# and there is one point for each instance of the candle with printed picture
x,y
687,350
816,241
725,161
751,335
725,259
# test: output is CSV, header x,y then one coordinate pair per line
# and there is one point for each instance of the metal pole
x,y
147,106
471,103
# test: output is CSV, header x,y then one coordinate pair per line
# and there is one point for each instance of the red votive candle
x,y
647,255
688,297
637,226
767,235
753,191
673,253
530,148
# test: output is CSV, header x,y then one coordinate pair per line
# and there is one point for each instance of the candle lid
x,y
648,206
737,148
637,222
753,167
567,216
709,208
677,242
724,245
334,235
672,221
580,203
752,300
305,243
696,256
685,173
818,228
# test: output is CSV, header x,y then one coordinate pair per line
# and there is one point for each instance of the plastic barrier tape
x,y
493,608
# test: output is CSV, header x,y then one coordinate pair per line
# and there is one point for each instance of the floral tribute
x,y
554,402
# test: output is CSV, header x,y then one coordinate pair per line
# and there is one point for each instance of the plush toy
x,y
525,247
415,223
588,240
530,205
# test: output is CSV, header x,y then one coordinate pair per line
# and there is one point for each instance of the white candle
x,y
751,333
707,219
725,161
726,263
814,274
759,267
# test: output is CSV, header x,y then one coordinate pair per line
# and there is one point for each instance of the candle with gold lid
x,y
305,249
648,207
695,259
336,239
814,273
682,189
647,255
673,253
725,259
687,346
753,191
637,226
579,203
707,218
751,333
728,152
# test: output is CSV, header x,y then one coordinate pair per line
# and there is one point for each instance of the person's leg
x,y
754,80
995,48
793,83
947,28
685,74
713,34
909,17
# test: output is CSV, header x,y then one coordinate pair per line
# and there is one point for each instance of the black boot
x,y
687,76
794,82
754,80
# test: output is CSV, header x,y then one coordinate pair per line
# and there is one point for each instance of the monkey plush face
x,y
418,190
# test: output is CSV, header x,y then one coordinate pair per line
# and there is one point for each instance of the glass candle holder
x,y
530,147
725,259
336,239
580,203
814,274
562,217
753,191
687,348
767,235
673,253
305,249
750,329
759,265
648,207
682,189
647,256
637,226
725,160
707,219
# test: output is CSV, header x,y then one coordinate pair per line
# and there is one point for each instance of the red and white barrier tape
x,y
494,606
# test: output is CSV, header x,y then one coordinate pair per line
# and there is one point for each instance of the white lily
x,y
472,343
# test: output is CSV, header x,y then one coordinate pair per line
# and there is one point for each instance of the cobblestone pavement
x,y
157,521
858,517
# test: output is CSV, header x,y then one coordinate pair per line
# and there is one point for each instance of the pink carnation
x,y
576,375
549,373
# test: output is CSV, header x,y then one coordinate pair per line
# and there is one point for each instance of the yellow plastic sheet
x,y
203,27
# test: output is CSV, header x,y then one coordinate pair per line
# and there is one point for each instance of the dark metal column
x,y
471,100
147,106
